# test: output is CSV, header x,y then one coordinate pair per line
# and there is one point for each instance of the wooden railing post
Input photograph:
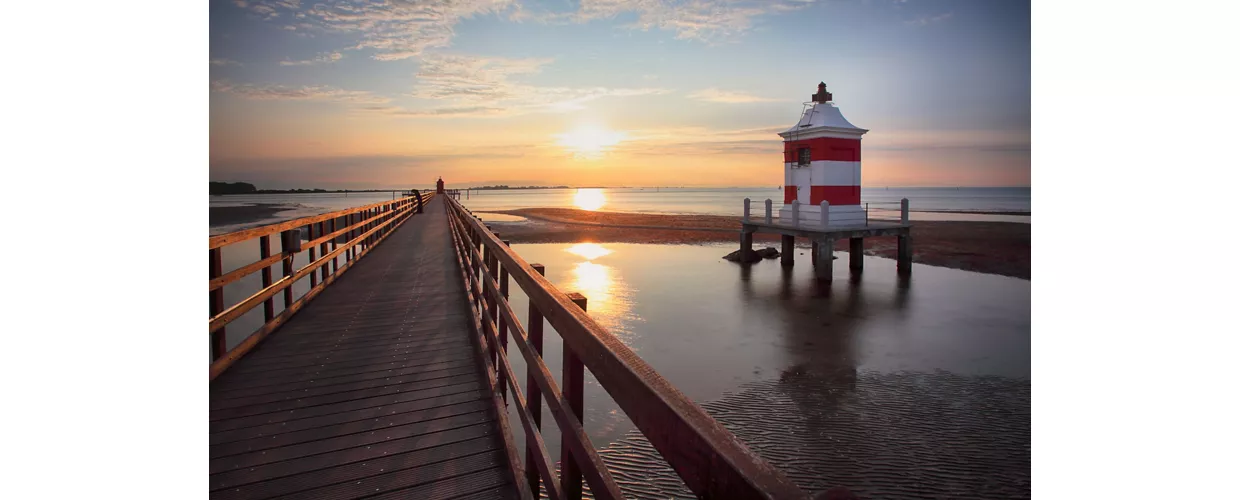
x,y
264,251
533,394
286,239
334,229
218,344
323,251
503,324
314,277
367,215
348,240
493,305
495,276
477,262
574,393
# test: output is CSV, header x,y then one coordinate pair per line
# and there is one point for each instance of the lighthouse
x,y
822,162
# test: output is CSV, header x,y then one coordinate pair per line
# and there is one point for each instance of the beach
x,y
1000,248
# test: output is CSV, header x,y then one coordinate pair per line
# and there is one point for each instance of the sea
x,y
999,204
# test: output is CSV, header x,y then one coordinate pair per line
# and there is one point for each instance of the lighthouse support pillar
x,y
904,255
746,245
788,246
823,269
856,251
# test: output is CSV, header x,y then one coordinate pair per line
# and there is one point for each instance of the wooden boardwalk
x,y
374,390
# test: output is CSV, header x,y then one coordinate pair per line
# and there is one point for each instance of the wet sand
x,y
225,216
899,435
988,247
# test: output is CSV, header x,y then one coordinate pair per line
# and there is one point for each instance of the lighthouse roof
x,y
823,119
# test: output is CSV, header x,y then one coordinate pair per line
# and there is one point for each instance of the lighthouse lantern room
x,y
822,162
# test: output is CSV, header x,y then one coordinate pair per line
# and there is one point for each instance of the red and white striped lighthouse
x,y
822,162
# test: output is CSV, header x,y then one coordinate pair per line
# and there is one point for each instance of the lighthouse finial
x,y
822,95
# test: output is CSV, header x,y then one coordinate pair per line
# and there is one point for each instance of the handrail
x,y
363,228
711,461
249,234
578,443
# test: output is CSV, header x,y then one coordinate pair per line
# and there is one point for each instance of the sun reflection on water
x,y
594,281
589,199
589,251
609,298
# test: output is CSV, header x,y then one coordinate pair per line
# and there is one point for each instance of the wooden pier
x,y
823,235
390,377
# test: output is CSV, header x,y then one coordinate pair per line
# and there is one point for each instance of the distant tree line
x,y
232,188
218,188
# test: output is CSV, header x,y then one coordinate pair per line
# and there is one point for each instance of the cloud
x,y
266,92
322,58
997,140
397,30
924,20
463,81
470,77
727,96
709,21
394,30
224,62
449,112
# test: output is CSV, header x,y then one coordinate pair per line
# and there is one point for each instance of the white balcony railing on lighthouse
x,y
879,212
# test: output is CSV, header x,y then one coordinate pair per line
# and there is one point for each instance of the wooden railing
x,y
346,235
711,461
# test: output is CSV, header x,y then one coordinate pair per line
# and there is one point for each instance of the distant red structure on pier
x,y
439,186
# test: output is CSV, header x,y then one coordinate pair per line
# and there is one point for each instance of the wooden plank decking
x,y
373,390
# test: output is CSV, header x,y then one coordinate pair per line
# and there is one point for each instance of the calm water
x,y
926,203
890,386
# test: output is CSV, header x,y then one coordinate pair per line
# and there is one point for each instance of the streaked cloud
x,y
224,62
704,20
464,80
266,92
394,30
924,20
323,58
404,29
727,96
927,140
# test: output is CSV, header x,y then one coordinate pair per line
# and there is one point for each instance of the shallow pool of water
x,y
892,386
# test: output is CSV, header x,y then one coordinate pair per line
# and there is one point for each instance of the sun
x,y
589,199
589,141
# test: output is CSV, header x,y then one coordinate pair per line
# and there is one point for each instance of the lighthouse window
x,y
803,157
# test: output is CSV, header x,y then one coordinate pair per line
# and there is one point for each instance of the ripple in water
x,y
881,435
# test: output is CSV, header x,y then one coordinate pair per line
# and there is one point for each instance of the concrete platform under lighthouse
x,y
808,224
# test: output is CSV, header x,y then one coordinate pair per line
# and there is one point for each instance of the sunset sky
x,y
351,94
